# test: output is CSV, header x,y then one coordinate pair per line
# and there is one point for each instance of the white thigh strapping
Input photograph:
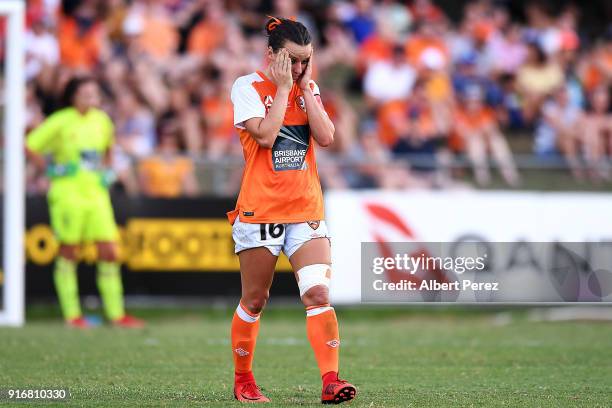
x,y
313,275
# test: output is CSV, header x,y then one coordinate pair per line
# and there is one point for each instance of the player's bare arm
x,y
320,124
264,130
37,159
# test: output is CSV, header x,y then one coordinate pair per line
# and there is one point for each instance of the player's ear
x,y
270,53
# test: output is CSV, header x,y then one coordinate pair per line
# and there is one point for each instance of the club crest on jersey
x,y
301,102
313,224
268,102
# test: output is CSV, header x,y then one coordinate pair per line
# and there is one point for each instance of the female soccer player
x,y
279,114
77,140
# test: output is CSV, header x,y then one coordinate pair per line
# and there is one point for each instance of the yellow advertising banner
x,y
157,244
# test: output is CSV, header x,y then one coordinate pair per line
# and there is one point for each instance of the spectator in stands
x,y
156,33
377,86
168,173
478,130
135,137
81,36
467,76
360,19
187,116
218,115
208,34
597,131
558,130
164,50
42,49
410,130
506,51
595,69
536,80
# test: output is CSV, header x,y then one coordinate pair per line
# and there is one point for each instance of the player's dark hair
x,y
280,30
72,87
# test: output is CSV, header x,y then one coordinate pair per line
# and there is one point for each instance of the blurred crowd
x,y
411,92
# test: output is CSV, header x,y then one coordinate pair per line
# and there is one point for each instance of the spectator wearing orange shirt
x,y
209,33
426,40
480,135
409,127
168,173
595,69
81,37
218,115
153,29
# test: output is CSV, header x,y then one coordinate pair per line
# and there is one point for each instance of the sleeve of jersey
x,y
40,140
247,105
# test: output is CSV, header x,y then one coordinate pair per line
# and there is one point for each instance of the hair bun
x,y
272,23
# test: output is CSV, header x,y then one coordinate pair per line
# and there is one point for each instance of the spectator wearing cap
x,y
478,131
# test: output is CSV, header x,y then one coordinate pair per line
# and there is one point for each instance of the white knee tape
x,y
313,275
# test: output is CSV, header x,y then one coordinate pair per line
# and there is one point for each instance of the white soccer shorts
x,y
276,237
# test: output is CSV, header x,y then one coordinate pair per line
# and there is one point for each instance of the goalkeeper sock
x,y
111,289
67,288
245,327
322,332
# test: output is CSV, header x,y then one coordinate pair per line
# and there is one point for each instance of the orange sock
x,y
245,326
322,331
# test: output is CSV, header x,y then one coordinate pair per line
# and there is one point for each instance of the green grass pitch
x,y
396,358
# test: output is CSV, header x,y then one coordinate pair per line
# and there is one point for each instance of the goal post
x,y
13,287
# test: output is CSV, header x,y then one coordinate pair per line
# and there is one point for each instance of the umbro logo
x,y
313,224
242,352
333,343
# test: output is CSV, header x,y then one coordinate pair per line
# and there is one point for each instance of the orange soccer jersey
x,y
281,184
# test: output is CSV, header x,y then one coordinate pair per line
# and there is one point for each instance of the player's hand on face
x,y
281,70
307,74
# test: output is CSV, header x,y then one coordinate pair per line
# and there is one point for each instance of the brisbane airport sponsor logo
x,y
290,148
517,271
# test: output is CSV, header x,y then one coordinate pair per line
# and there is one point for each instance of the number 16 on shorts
x,y
271,230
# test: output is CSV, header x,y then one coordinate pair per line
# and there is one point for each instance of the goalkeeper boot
x,y
78,323
128,322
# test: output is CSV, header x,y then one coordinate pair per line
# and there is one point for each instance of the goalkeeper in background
x,y
73,145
